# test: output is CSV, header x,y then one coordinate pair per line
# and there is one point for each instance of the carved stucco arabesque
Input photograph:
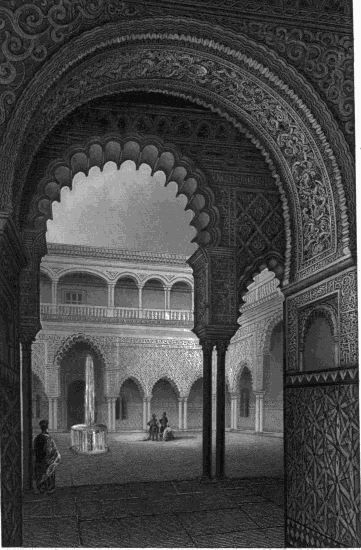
x,y
308,180
34,31
204,77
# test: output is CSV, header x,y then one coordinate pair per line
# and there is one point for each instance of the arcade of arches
x,y
247,107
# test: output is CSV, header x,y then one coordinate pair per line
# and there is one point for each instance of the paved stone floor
x,y
132,459
146,494
229,513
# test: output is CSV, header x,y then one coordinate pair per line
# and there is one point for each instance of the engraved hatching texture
x,y
315,223
35,30
345,285
149,364
322,452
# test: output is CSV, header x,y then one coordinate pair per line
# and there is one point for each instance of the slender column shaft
x,y
109,414
220,423
27,414
149,398
180,415
207,347
145,420
111,288
140,301
259,412
235,412
54,292
113,413
55,414
185,413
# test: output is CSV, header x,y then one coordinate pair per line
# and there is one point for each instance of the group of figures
x,y
160,429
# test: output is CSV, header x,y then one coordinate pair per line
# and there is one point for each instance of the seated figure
x,y
168,434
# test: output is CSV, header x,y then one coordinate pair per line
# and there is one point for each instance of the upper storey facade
x,y
118,287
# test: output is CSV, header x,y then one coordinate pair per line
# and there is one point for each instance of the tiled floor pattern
x,y
132,459
229,513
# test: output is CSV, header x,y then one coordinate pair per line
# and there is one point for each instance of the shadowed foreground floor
x,y
229,513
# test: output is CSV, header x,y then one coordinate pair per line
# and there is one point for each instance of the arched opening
x,y
319,344
129,410
71,400
195,405
273,382
81,289
75,403
165,399
126,293
181,296
246,410
329,239
153,295
45,289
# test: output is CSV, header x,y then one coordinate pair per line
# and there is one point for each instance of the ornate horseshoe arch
x,y
190,180
70,341
214,73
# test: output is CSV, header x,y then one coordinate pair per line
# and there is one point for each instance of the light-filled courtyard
x,y
131,458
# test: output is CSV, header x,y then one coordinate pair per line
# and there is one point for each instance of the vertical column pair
x,y
207,347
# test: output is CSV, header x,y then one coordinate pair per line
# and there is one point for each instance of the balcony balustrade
x,y
121,315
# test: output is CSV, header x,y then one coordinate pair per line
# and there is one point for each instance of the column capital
x,y
222,345
259,393
207,345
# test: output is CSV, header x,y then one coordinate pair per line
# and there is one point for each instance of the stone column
x,y
27,413
149,398
145,419
180,414
185,419
259,411
54,294
111,288
53,414
113,413
110,418
207,347
220,422
233,411
140,301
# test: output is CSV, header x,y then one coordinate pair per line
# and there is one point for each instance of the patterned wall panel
x,y
322,453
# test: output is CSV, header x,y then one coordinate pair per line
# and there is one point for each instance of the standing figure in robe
x,y
47,458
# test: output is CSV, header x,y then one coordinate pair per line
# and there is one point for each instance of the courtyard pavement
x,y
146,494
130,458
229,513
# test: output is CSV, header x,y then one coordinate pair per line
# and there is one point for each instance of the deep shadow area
x,y
230,513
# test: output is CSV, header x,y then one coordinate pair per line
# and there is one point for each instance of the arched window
x,y
244,402
319,346
117,409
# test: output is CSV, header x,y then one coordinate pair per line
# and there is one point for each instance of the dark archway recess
x,y
75,403
130,406
165,399
195,404
246,409
72,386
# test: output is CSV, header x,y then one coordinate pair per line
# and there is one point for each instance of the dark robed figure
x,y
47,458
